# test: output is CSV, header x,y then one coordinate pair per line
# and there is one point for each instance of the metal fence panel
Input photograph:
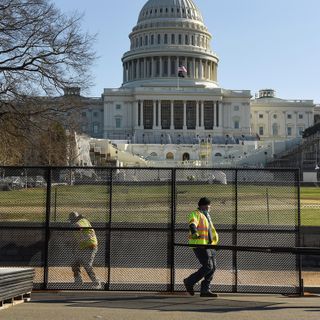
x,y
138,215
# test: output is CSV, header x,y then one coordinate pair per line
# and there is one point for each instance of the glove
x,y
195,236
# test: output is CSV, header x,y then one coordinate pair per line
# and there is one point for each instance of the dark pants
x,y
207,258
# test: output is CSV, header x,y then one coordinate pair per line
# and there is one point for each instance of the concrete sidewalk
x,y
139,306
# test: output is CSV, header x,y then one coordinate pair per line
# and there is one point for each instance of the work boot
x,y
97,285
78,280
189,288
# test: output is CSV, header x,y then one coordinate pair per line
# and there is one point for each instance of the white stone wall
x,y
275,116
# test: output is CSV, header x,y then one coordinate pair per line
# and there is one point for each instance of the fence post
x,y
299,243
108,239
235,234
173,222
47,229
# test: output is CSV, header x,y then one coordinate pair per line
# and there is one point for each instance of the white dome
x,y
184,9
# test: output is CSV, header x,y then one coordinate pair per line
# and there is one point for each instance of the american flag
x,y
181,71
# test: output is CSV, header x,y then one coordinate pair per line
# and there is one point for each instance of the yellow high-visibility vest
x,y
86,237
201,222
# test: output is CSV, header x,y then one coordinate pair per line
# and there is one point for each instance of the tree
x,y
42,51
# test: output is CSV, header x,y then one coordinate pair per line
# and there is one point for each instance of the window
x,y
152,39
118,122
236,108
118,107
275,116
289,116
186,39
261,131
96,128
260,116
180,39
300,116
146,40
289,131
173,39
165,39
300,131
236,124
170,156
159,39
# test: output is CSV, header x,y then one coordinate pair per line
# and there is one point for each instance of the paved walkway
x,y
146,306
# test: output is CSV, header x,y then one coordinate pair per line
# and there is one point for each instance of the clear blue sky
x,y
260,43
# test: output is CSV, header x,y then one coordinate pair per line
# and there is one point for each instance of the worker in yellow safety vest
x,y
84,250
202,232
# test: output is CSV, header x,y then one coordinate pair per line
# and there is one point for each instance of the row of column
x,y
168,67
199,119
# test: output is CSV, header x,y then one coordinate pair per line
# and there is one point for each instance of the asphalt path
x,y
140,306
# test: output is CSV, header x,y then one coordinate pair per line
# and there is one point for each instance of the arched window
x,y
186,157
170,156
218,154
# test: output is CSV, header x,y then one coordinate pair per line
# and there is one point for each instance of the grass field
x,y
274,205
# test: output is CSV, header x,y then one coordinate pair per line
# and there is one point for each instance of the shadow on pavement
x,y
164,303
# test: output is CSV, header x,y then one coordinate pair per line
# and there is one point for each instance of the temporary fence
x,y
140,219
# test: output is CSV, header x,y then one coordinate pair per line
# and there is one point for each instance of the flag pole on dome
x,y
182,70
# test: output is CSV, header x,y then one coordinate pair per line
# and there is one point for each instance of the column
x,y
137,68
200,69
194,68
285,123
217,115
206,69
197,116
141,115
169,66
124,72
202,114
152,67
177,65
145,68
171,116
159,114
184,115
161,68
215,120
220,114
154,115
136,114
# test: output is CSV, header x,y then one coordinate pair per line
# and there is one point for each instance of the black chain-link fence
x,y
140,219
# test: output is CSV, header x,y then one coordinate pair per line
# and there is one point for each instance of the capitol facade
x,y
170,91
170,105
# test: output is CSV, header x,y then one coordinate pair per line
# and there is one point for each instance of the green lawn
x,y
274,205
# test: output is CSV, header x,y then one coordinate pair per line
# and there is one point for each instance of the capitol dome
x,y
170,9
170,34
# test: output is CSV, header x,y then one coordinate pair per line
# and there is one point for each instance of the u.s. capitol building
x,y
170,102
